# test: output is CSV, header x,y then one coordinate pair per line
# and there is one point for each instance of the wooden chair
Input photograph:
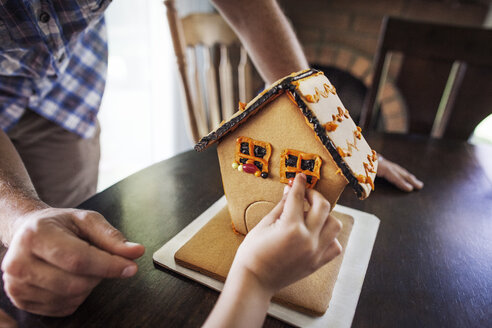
x,y
202,44
469,52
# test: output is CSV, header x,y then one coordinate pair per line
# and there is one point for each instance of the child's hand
x,y
289,244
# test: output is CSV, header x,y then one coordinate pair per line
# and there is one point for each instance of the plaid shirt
x,y
53,60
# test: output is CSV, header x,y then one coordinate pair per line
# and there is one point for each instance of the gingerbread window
x,y
294,161
252,156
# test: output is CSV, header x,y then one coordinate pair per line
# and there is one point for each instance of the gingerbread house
x,y
297,125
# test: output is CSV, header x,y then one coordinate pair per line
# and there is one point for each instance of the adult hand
x,y
289,243
397,175
57,256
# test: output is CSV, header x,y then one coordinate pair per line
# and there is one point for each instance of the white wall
x,y
137,112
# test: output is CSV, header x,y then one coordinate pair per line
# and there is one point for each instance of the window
x,y
252,156
294,161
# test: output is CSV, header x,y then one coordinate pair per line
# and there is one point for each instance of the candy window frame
x,y
284,169
250,159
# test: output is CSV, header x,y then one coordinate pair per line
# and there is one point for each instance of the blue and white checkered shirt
x,y
53,60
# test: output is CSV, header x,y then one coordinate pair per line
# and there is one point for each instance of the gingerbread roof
x,y
332,125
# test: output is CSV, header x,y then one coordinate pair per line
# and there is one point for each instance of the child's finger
x,y
318,211
294,205
331,252
274,213
330,230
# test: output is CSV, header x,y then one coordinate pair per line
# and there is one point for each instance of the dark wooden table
x,y
431,265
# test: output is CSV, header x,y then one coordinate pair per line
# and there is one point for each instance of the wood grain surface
x,y
431,265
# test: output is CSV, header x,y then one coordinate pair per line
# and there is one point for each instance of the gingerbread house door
x,y
256,211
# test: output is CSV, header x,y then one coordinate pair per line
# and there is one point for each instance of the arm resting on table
x,y
265,32
55,256
17,194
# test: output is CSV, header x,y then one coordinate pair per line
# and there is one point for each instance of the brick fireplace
x,y
343,35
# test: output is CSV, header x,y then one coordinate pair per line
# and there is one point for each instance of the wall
x,y
137,113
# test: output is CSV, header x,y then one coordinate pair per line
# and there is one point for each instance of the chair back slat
x,y
226,82
448,98
211,84
196,88
244,77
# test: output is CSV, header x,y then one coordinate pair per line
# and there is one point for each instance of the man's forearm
x,y
17,194
266,35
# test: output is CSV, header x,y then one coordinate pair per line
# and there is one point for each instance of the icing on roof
x,y
324,112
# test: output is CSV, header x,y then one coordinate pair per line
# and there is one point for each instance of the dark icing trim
x,y
278,89
235,121
321,134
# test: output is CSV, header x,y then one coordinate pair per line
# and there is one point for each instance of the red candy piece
x,y
291,182
249,168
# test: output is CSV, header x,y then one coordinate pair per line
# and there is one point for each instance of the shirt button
x,y
44,17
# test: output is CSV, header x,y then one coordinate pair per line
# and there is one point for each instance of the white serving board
x,y
347,289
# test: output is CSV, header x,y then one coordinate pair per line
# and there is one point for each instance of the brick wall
x,y
344,34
